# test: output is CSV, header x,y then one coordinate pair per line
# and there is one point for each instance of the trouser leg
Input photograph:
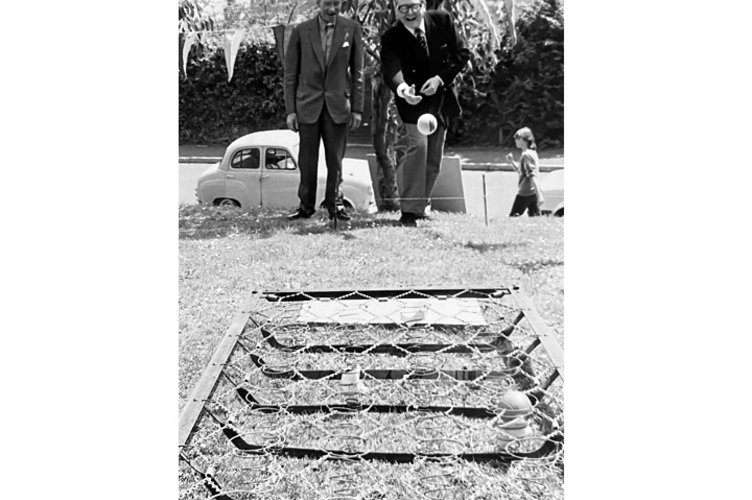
x,y
533,209
308,161
519,206
435,154
413,196
335,143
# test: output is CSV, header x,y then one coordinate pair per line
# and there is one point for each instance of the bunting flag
x,y
512,15
189,39
232,42
282,38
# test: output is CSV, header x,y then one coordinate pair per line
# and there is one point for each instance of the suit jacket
x,y
310,81
403,60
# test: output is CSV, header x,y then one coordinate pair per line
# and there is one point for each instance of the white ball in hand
x,y
427,124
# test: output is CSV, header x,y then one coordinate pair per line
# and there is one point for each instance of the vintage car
x,y
261,169
552,185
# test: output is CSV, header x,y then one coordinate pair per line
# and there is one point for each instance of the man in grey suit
x,y
323,94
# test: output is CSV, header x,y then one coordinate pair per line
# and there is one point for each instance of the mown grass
x,y
227,253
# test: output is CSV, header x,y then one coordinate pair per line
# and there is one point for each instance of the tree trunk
x,y
383,145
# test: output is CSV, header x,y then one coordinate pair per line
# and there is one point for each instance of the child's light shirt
x,y
528,169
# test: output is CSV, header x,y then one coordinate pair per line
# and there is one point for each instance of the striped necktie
x,y
422,40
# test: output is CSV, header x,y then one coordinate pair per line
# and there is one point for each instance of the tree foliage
x,y
524,88
191,17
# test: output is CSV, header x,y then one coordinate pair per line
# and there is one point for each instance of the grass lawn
x,y
227,253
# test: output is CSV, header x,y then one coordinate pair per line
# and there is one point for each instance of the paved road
x,y
468,155
188,175
501,188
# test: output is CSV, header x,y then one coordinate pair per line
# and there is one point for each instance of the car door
x,y
280,179
243,181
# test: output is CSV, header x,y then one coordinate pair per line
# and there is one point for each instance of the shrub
x,y
213,110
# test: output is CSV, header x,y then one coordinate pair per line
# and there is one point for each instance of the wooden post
x,y
485,200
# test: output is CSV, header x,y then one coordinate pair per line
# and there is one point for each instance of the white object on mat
x,y
407,311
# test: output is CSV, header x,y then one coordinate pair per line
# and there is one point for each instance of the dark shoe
x,y
340,215
408,219
299,214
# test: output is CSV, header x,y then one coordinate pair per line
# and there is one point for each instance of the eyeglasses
x,y
413,7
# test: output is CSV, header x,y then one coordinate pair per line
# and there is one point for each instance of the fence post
x,y
485,200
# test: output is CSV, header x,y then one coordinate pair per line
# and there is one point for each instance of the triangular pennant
x,y
181,42
512,16
189,39
279,40
231,50
282,34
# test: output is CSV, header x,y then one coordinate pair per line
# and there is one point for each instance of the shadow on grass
x,y
202,223
480,247
531,266
492,247
324,225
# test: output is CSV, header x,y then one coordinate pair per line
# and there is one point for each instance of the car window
x,y
246,158
279,159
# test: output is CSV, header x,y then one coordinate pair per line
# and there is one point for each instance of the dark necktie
x,y
422,40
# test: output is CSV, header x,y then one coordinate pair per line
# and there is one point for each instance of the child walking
x,y
529,196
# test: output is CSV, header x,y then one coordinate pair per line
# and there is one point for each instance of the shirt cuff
x,y
401,89
442,81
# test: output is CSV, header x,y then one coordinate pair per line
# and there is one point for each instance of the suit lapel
x,y
337,39
315,39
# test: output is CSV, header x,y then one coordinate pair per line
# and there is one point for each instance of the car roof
x,y
281,138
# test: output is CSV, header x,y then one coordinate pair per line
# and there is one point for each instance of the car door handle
x,y
230,176
265,176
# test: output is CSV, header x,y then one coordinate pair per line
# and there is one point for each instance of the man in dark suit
x,y
323,94
422,51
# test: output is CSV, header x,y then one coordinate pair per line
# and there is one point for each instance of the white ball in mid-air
x,y
427,124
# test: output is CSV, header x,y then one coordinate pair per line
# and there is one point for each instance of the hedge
x,y
525,89
215,111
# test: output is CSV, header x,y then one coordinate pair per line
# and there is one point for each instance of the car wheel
x,y
559,213
226,202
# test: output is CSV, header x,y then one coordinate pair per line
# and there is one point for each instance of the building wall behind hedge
x,y
525,89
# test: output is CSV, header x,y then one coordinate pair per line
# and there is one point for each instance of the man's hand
x,y
431,85
510,158
355,120
292,122
541,200
408,94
